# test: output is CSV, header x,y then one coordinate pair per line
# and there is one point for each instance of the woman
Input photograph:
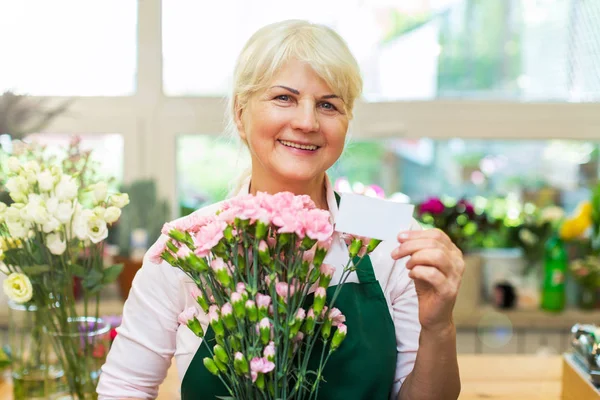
x,y
294,88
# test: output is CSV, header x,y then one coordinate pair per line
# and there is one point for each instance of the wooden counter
x,y
495,377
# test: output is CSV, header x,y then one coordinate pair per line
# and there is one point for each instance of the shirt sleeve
x,y
142,351
405,310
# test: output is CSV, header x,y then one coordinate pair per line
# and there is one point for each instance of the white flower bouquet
x,y
52,234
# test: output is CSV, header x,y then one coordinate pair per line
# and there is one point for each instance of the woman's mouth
x,y
293,145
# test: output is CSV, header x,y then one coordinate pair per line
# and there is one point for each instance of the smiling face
x,y
295,129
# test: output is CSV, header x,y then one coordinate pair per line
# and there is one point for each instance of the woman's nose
x,y
305,118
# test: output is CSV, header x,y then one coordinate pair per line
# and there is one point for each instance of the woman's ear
x,y
239,121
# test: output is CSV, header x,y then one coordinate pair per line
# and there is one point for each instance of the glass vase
x,y
80,345
36,374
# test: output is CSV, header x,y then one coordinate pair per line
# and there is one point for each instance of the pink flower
x,y
168,227
300,314
299,336
196,293
217,264
192,223
260,365
240,287
325,244
226,310
183,252
288,222
316,224
269,351
262,246
282,289
343,329
432,205
327,270
187,315
214,309
262,301
336,316
236,297
209,235
155,252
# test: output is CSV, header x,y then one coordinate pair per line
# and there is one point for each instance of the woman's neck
x,y
315,188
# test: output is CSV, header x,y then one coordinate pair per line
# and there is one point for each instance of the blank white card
x,y
372,217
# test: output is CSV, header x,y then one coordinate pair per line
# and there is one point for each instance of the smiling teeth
x,y
299,146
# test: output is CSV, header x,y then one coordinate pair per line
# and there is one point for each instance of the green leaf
x,y
111,273
79,271
92,280
33,270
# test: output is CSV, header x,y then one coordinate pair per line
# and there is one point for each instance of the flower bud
x,y
220,353
251,311
320,254
263,253
227,316
263,302
265,330
261,230
373,243
326,328
216,323
220,365
355,247
327,271
338,336
319,303
237,301
269,352
200,299
309,322
197,263
211,366
240,363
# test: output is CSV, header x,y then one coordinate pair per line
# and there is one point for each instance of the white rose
x,y
18,287
45,181
80,222
119,200
52,205
17,230
97,230
64,212
35,210
32,166
17,184
13,213
66,188
112,214
55,244
100,191
13,164
51,225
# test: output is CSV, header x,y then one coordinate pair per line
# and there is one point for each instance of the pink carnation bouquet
x,y
254,263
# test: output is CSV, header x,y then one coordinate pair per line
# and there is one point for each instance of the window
x,y
68,47
207,169
408,50
541,172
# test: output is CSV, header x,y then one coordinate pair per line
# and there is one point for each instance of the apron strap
x,y
364,271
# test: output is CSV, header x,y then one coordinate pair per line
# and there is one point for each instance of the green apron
x,y
362,368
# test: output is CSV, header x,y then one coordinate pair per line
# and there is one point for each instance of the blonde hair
x,y
272,46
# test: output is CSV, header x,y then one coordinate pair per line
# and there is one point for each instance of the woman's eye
x,y
328,106
283,97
